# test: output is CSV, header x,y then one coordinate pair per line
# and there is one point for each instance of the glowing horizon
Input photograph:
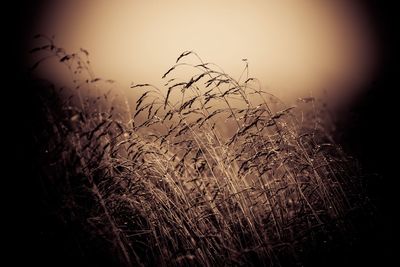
x,y
293,48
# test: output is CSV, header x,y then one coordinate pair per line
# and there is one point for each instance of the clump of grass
x,y
206,171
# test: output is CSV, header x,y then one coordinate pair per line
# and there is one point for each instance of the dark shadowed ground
x,y
368,132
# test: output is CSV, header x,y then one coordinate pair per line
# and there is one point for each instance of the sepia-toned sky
x,y
295,47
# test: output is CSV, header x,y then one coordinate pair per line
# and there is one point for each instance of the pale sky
x,y
296,48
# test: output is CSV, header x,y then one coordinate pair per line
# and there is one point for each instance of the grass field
x,y
208,170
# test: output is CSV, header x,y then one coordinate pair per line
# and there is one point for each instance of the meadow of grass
x,y
207,170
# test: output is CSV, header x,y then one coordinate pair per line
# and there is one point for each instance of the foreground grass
x,y
206,171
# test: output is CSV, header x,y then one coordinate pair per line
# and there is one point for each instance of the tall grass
x,y
207,170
